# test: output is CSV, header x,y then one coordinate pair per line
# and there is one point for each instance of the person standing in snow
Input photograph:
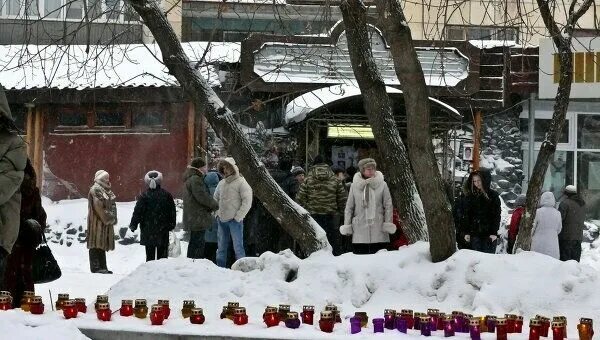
x,y
234,196
480,213
515,221
19,271
198,206
323,195
546,227
572,211
102,217
13,157
369,210
211,179
155,213
292,182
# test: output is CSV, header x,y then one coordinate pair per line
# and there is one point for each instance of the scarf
x,y
368,205
105,188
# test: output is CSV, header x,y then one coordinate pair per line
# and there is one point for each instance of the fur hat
x,y
100,175
570,189
198,163
297,170
365,162
520,201
153,179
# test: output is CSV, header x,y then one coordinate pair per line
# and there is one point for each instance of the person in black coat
x,y
478,214
155,213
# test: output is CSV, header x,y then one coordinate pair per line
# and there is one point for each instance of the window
x,y
111,10
52,9
32,8
94,10
464,32
148,119
588,131
72,118
541,127
74,9
13,7
109,118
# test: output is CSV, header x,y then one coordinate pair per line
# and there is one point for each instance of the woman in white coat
x,y
546,227
368,214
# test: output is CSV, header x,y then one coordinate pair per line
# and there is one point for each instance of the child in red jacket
x,y
515,220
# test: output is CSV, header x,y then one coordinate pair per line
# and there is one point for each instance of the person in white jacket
x,y
369,210
546,227
234,196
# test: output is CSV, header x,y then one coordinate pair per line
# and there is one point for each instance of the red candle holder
x,y
6,293
308,314
535,329
271,317
511,323
69,309
157,317
240,317
80,304
558,330
103,312
585,329
186,310
501,333
5,303
36,306
196,316
126,309
166,308
440,322
449,326
407,314
417,320
327,321
545,325
475,328
100,299
519,324
389,318
564,321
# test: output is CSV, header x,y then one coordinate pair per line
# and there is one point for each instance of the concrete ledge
x,y
105,334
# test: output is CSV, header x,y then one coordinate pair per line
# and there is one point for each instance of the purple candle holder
x,y
292,323
426,329
417,323
491,325
378,324
402,325
355,326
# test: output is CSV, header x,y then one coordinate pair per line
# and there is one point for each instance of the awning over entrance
x,y
301,107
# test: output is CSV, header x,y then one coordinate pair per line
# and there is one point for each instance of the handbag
x,y
44,267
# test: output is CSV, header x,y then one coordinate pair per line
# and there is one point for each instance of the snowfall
x,y
526,284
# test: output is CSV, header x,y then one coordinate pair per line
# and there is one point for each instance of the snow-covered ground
x,y
525,284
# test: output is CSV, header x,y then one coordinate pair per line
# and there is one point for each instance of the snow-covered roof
x,y
299,108
131,65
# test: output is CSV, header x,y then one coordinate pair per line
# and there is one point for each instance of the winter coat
x,y
479,216
572,211
155,213
211,180
369,221
234,196
322,192
291,186
515,221
198,204
102,216
13,157
546,227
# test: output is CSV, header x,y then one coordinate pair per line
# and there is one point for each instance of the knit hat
x,y
100,175
153,179
365,162
520,201
337,169
198,163
570,189
297,170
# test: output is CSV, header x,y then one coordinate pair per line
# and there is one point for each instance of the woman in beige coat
x,y
102,216
369,209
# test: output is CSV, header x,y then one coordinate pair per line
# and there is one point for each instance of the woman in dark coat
x,y
18,276
479,213
155,213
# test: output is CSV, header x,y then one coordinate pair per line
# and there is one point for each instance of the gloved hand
x,y
468,238
133,228
35,231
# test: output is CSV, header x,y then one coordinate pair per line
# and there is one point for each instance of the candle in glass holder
x,y
270,316
141,309
80,304
535,328
545,325
6,293
564,321
475,328
5,303
126,308
327,321
224,312
197,316
335,311
466,322
186,310
558,330
389,317
490,323
434,314
308,314
378,325
103,312
61,299
240,317
402,325
355,325
458,321
440,322
166,307
511,323
26,300
100,299
407,314
501,329
585,329
449,324
363,317
519,324
417,320
69,309
36,306
292,321
425,325
283,311
231,306
157,317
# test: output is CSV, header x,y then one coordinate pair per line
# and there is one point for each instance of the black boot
x,y
95,264
102,256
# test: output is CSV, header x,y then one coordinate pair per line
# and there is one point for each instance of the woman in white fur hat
x,y
102,216
369,209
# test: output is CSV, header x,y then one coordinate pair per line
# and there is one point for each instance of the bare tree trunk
x,y
438,213
295,220
562,41
378,107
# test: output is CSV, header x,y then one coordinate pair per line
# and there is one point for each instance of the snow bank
x,y
10,329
